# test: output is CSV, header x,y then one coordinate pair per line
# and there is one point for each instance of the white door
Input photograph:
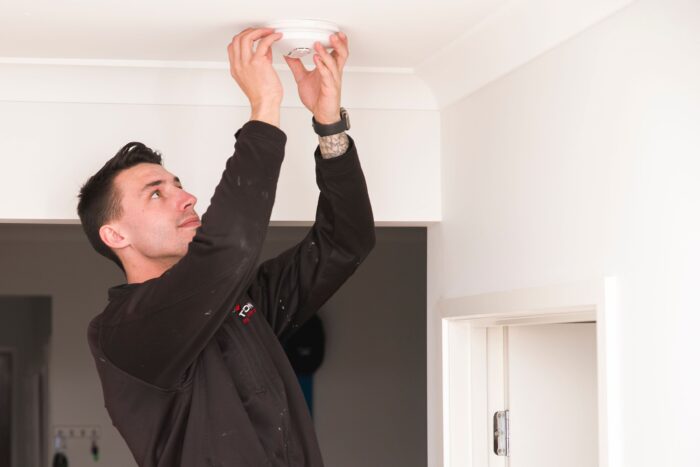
x,y
545,376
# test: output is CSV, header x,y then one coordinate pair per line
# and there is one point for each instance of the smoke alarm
x,y
299,35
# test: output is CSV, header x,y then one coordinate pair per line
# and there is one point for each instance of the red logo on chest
x,y
245,312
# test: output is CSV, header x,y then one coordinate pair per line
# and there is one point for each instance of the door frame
x,y
464,371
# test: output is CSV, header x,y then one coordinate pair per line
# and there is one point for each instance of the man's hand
x,y
253,71
319,89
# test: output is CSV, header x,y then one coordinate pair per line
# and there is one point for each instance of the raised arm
x,y
292,286
155,332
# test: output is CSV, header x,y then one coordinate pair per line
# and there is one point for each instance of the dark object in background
x,y
95,450
305,349
59,460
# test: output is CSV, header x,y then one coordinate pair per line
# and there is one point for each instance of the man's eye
x,y
155,194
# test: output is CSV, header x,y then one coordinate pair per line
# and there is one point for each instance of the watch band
x,y
333,128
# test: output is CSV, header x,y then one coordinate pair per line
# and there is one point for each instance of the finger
x,y
340,50
237,39
229,52
297,66
328,61
247,39
264,44
343,39
327,79
234,49
235,52
240,34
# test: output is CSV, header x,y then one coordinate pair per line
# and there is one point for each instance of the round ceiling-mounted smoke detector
x,y
299,35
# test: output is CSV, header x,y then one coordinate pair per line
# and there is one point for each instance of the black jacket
x,y
192,370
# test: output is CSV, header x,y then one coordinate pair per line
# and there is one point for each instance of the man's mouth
x,y
191,222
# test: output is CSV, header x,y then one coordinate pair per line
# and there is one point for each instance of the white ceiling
x,y
428,53
383,33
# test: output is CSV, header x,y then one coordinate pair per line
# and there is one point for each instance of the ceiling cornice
x,y
174,64
515,34
151,82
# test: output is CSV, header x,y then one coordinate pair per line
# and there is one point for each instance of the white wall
x,y
580,164
369,404
60,123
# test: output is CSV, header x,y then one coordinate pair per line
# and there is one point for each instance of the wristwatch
x,y
333,128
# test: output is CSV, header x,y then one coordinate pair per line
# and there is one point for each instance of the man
x,y
188,350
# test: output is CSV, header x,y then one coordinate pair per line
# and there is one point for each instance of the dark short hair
x,y
99,200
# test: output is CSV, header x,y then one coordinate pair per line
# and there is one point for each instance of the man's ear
x,y
112,237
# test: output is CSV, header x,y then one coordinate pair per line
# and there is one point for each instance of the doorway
x,y
6,381
526,377
541,394
25,324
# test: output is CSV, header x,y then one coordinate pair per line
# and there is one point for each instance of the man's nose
x,y
188,201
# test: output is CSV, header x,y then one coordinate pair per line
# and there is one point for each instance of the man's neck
x,y
146,270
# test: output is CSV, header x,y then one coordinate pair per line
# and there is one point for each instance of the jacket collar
x,y
121,290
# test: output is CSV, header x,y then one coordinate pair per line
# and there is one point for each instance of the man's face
x,y
158,217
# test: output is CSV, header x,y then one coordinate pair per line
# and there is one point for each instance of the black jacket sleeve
x,y
291,287
158,329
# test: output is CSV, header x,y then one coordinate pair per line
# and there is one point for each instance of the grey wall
x,y
370,393
370,396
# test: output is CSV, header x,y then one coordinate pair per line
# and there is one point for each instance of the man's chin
x,y
189,236
188,232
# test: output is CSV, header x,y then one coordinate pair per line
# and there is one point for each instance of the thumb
x,y
297,67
